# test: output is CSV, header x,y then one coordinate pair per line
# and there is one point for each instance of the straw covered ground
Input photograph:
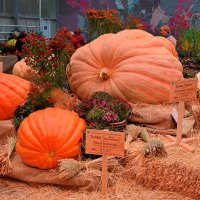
x,y
174,177
123,189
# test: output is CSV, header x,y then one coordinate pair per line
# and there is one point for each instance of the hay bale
x,y
179,172
7,129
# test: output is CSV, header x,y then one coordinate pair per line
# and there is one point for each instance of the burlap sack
x,y
36,177
158,118
154,116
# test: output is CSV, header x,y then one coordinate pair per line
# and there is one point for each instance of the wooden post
x,y
104,177
105,143
180,91
1,67
179,132
1,64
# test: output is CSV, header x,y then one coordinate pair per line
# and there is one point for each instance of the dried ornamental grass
x,y
63,99
154,148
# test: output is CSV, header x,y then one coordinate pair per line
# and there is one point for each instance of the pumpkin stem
x,y
51,154
104,74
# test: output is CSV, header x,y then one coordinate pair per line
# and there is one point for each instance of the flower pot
x,y
118,126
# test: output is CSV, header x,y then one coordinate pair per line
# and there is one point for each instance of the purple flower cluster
x,y
109,115
102,109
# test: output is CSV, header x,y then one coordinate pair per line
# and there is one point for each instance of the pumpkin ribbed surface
x,y
13,92
22,70
132,64
168,45
48,135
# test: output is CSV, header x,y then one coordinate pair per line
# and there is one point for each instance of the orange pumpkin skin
x,y
13,92
168,45
49,135
132,64
22,70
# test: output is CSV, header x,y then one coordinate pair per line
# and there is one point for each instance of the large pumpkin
x,y
13,92
198,77
131,64
168,45
22,70
49,135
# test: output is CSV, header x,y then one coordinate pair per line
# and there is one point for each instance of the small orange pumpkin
x,y
13,92
48,135
22,70
132,64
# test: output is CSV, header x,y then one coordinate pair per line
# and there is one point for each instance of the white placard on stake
x,y
180,91
105,143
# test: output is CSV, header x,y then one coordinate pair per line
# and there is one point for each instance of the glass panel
x,y
2,7
9,7
53,28
6,7
49,9
29,8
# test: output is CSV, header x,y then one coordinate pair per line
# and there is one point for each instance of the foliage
x,y
49,58
6,48
191,66
11,42
101,22
190,42
38,99
102,109
180,21
134,22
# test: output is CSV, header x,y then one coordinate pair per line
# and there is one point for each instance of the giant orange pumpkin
x,y
49,135
168,45
132,64
13,92
22,70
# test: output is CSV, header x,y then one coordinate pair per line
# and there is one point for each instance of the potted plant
x,y
102,111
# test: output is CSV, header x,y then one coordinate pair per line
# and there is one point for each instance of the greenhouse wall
x,y
154,12
28,15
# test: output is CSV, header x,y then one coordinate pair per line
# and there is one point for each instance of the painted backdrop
x,y
155,12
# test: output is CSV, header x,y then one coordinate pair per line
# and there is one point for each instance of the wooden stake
x,y
180,91
178,140
179,132
104,177
1,67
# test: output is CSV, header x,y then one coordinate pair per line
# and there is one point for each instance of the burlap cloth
x,y
158,118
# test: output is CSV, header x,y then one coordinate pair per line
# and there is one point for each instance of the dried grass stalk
x,y
154,148
97,163
63,99
5,155
68,168
132,132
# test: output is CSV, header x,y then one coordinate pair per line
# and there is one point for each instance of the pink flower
x,y
103,103
115,117
108,119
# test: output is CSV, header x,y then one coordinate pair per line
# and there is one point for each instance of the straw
x,y
5,155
